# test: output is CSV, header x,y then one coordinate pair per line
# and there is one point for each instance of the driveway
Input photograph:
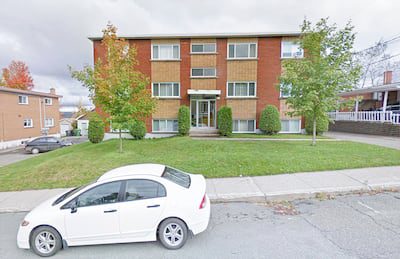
x,y
390,142
346,227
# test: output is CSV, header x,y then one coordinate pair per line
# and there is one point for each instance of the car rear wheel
x,y
35,151
172,233
45,241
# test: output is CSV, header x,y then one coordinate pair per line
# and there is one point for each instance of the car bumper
x,y
23,237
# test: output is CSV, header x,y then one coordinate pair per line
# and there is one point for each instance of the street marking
x,y
368,207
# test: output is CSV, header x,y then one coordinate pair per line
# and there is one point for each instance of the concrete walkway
x,y
258,189
391,142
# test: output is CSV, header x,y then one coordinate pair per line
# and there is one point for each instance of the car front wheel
x,y
172,233
45,241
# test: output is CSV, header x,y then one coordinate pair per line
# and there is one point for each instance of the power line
x,y
397,37
392,56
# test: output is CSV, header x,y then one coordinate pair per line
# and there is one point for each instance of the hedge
x,y
183,120
270,122
96,128
322,125
137,129
225,121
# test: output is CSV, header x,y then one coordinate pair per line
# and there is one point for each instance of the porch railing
x,y
371,116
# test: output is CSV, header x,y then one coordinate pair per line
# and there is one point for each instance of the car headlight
x,y
24,223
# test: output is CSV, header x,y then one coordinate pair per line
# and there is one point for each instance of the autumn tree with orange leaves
x,y
115,84
17,75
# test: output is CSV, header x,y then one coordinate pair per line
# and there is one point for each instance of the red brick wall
x,y
221,70
268,71
185,71
143,48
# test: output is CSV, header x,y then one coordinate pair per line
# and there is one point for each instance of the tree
x,y
17,75
115,84
270,122
329,67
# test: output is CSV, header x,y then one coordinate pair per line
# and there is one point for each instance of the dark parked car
x,y
43,144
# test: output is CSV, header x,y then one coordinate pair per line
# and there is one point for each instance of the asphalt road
x,y
366,226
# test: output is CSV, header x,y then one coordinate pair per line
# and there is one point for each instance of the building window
x,y
165,52
204,48
291,49
291,126
166,90
165,125
285,91
23,99
241,89
48,101
204,72
28,123
244,126
242,50
48,122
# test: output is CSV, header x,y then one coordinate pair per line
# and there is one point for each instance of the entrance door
x,y
203,113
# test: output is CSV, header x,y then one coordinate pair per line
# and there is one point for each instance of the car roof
x,y
132,170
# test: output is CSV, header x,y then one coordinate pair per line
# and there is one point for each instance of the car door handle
x,y
153,206
110,211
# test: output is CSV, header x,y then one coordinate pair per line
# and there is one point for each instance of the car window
x,y
51,140
143,189
102,194
176,176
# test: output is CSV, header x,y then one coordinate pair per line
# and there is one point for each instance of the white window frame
x,y
204,52
166,97
203,76
48,125
31,123
171,45
299,130
255,124
48,99
293,54
241,96
26,99
248,50
164,120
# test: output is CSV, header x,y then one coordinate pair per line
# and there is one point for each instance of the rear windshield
x,y
176,176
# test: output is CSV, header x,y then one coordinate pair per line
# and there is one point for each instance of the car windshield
x,y
68,194
176,176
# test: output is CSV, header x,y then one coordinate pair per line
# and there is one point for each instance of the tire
x,y
172,233
35,151
45,241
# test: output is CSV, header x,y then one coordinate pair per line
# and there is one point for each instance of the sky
x,y
51,35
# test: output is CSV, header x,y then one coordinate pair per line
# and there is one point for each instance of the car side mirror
x,y
74,207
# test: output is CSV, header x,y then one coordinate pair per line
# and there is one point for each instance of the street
x,y
354,226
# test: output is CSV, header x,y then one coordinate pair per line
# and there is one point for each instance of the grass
x,y
276,136
79,164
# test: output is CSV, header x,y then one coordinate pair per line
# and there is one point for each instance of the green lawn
x,y
82,163
276,136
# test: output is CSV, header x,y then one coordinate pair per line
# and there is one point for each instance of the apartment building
x,y
207,71
27,114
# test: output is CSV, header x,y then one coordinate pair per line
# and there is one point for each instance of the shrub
x,y
138,129
322,125
96,128
184,120
270,122
225,121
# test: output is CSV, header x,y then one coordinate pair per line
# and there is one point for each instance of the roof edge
x,y
204,35
28,92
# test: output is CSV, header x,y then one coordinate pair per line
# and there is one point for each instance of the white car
x,y
134,203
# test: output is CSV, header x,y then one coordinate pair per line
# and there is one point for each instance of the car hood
x,y
43,209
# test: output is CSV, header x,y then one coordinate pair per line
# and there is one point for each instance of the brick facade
x,y
263,69
371,128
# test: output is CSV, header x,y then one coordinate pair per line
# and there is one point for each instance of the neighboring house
x,y
27,114
207,71
376,110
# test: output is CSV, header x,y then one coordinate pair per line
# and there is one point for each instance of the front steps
x,y
203,133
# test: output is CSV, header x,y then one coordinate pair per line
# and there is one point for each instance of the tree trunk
x,y
314,131
120,141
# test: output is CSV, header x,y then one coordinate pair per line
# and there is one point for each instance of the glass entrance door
x,y
202,113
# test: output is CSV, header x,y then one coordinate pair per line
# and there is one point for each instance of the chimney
x,y
52,90
387,77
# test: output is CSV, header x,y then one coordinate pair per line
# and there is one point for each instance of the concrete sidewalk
x,y
258,189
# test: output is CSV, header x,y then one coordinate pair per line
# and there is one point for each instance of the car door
x,y
96,217
52,143
41,144
144,202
